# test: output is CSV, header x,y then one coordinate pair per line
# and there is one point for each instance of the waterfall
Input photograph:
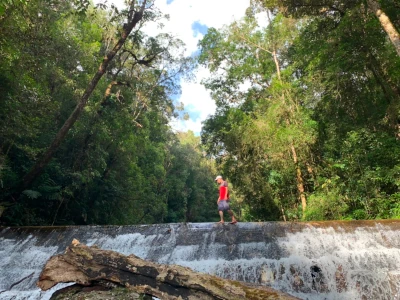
x,y
318,260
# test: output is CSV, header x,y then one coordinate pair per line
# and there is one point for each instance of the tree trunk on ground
x,y
90,265
133,19
299,178
387,25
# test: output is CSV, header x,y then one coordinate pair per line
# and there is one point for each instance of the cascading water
x,y
319,260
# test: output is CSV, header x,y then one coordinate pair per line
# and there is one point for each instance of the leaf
x,y
339,166
32,194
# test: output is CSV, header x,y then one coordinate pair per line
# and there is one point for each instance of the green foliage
x,y
256,130
307,113
120,163
328,205
365,175
318,115
192,196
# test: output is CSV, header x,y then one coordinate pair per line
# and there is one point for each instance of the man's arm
x,y
226,193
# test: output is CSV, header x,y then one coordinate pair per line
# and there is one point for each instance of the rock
x,y
267,276
340,278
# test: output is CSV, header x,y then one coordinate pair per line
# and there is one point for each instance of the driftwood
x,y
88,266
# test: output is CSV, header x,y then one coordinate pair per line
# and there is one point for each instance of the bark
x,y
278,69
90,265
107,93
133,19
299,178
387,25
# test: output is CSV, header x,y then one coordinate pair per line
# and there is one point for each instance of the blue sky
x,y
199,28
193,112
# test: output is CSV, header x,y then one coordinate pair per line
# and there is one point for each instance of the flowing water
x,y
319,260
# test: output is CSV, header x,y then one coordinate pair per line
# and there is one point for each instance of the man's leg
x,y
232,215
221,214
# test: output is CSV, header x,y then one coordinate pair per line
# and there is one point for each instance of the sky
x,y
189,21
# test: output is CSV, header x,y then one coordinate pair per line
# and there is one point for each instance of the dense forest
x,y
307,125
119,162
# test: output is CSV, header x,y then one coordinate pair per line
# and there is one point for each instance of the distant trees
x,y
190,191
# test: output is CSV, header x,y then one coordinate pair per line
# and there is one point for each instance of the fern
x,y
32,194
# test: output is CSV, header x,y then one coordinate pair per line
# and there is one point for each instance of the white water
x,y
313,263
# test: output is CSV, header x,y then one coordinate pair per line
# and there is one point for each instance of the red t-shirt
x,y
223,191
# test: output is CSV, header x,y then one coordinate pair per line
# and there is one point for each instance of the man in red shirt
x,y
223,199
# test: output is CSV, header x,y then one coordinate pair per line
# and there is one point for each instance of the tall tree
x,y
250,143
135,14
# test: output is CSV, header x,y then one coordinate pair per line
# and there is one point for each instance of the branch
x,y
252,43
110,86
18,282
143,61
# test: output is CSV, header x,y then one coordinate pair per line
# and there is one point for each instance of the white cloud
x,y
197,98
212,13
183,13
262,19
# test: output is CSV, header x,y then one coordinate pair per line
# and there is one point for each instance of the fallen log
x,y
90,266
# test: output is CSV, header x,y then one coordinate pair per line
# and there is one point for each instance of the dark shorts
x,y
223,205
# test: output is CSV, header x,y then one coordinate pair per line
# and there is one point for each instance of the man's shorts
x,y
223,205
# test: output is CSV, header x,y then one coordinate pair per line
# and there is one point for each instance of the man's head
x,y
219,179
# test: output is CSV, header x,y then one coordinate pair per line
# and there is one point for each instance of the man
x,y
223,199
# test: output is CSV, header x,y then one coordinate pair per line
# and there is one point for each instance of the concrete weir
x,y
310,260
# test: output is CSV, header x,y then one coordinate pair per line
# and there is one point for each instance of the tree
x,y
189,181
312,7
134,15
347,75
273,124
